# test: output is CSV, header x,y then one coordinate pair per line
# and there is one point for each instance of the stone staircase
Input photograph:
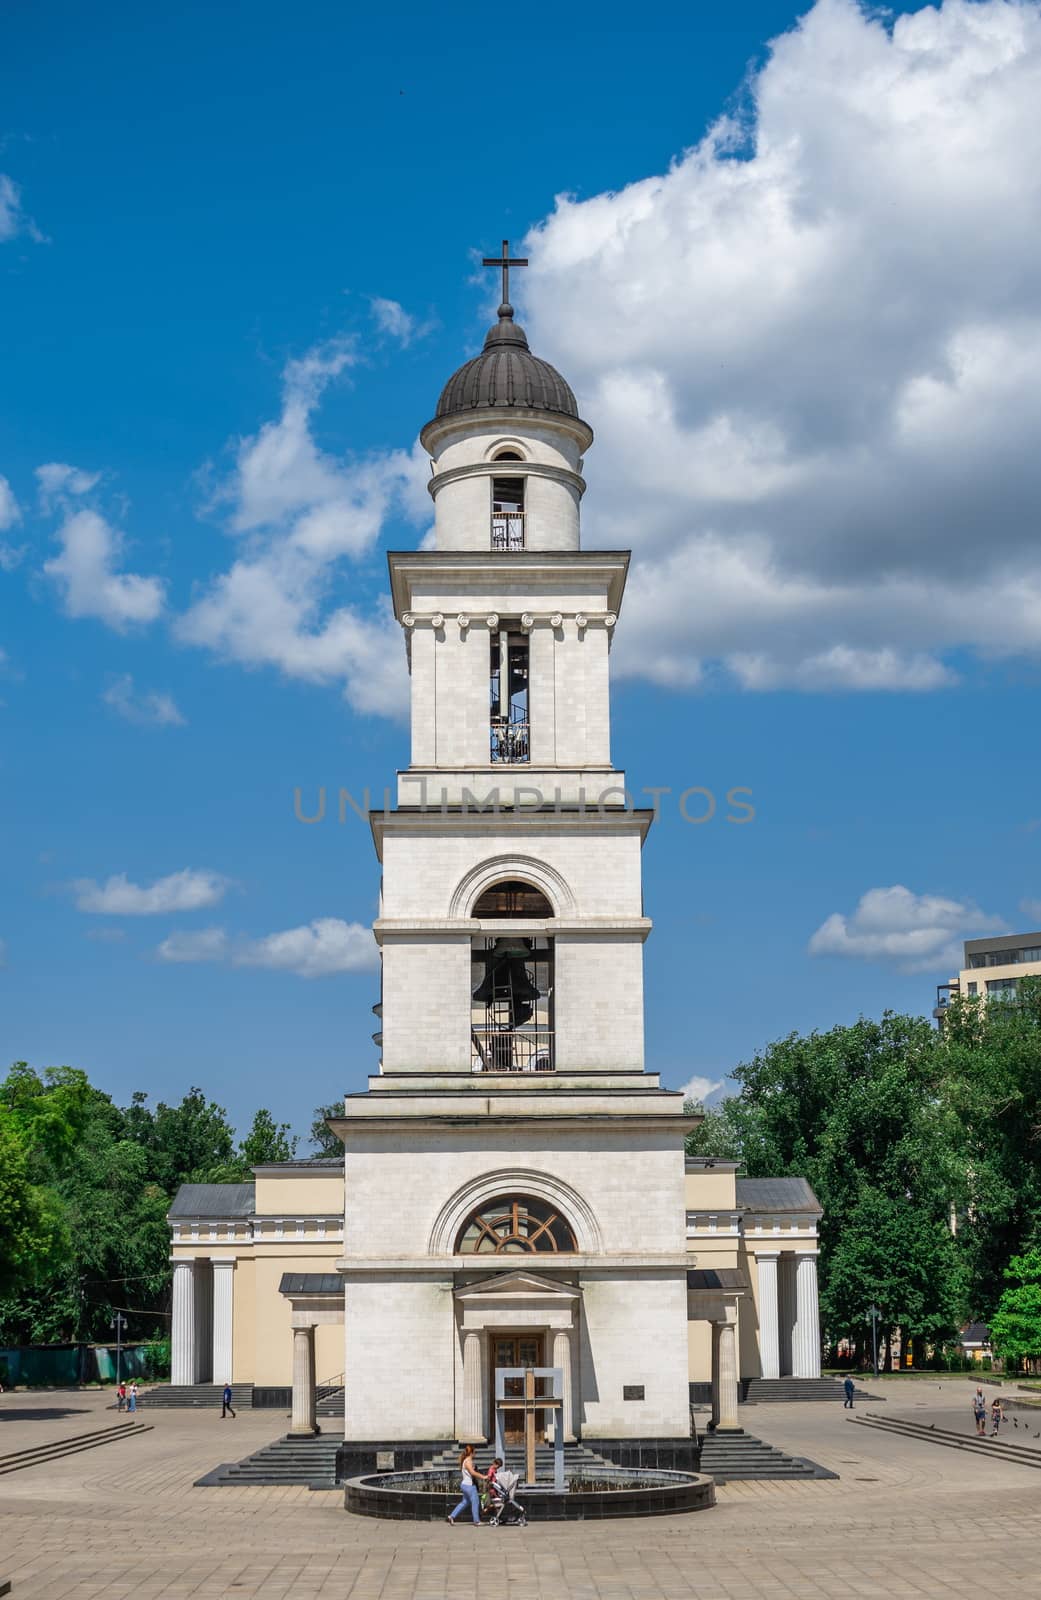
x,y
732,1456
330,1400
187,1395
764,1391
303,1461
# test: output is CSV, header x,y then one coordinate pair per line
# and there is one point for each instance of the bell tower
x,y
511,928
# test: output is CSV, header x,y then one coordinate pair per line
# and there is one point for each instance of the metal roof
x,y
305,1162
298,1283
506,374
777,1194
206,1201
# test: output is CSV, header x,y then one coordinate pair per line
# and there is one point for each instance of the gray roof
x,y
777,1194
209,1200
297,1283
506,374
330,1162
729,1278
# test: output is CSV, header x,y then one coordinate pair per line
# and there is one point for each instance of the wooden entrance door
x,y
514,1350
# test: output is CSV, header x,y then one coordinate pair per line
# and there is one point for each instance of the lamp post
x,y
119,1322
874,1313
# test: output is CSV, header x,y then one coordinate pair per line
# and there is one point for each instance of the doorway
x,y
515,1350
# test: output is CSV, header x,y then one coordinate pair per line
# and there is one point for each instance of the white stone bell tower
x,y
511,929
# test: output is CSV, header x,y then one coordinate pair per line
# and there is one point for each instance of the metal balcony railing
x,y
512,1050
507,530
509,740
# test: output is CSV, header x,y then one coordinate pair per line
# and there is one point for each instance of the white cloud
x,y
915,933
1031,909
87,576
206,944
300,513
147,706
812,353
392,318
9,510
191,889
318,949
700,1089
57,479
14,219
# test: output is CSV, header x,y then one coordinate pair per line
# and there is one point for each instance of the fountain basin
x,y
428,1495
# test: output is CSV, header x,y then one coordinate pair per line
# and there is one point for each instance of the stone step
x,y
39,1455
763,1391
293,1460
738,1456
196,1394
1004,1449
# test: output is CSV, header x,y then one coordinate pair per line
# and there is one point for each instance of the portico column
x,y
769,1344
562,1358
182,1323
304,1417
223,1301
806,1336
471,1431
724,1373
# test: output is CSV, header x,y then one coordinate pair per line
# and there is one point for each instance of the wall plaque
x,y
632,1391
384,1461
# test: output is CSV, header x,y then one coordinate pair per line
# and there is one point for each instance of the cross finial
x,y
505,261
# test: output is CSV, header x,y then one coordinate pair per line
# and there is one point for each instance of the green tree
x,y
856,1111
1015,1328
267,1141
191,1142
991,1064
31,1231
323,1140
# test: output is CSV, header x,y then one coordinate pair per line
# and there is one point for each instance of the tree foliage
x,y
1015,1329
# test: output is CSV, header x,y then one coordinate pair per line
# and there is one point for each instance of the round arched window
x,y
512,898
515,1225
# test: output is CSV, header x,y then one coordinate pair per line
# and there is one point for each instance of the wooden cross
x,y
505,261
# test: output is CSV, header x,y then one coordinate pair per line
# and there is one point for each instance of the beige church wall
x,y
699,1351
599,1002
711,1190
462,669
426,990
328,1353
634,1331
399,1357
629,1179
463,512
749,1364
479,591
582,686
273,1337
551,513
244,1316
299,1193
421,645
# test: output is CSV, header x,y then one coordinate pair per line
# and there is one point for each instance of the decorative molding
x,y
556,620
527,621
515,1180
492,620
495,868
463,620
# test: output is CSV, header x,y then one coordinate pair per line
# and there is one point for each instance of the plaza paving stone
x,y
905,1519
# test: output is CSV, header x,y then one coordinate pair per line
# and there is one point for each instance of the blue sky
x,y
818,435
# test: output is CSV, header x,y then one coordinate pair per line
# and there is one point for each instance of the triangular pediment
x,y
518,1286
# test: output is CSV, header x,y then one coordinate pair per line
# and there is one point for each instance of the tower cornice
x,y
470,567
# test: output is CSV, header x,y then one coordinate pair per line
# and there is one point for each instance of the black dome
x,y
506,374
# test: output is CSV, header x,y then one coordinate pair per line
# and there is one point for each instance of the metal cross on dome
x,y
505,261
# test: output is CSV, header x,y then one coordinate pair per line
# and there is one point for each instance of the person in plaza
x,y
226,1404
979,1411
121,1396
469,1477
488,1492
997,1415
132,1396
850,1388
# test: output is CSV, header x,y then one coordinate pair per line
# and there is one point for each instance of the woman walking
x,y
468,1476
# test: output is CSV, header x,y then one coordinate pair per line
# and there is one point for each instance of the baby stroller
x,y
506,1509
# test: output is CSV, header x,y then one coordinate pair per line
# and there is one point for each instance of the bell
x,y
506,979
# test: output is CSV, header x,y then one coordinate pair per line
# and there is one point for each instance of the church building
x,y
513,1191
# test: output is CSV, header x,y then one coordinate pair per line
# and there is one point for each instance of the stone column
x,y
182,1323
724,1374
562,1358
223,1299
769,1348
304,1418
806,1336
472,1413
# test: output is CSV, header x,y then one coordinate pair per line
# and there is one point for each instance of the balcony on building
x,y
507,514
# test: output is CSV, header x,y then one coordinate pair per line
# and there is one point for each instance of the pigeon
x,y
1015,1424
